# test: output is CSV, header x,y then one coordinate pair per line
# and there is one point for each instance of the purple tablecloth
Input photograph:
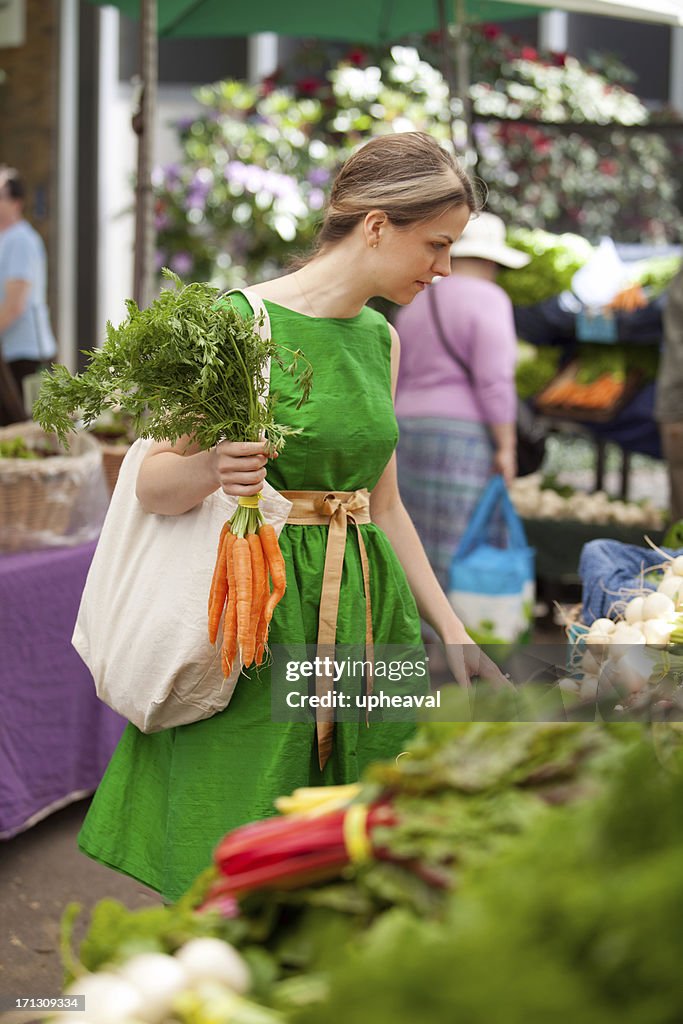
x,y
56,737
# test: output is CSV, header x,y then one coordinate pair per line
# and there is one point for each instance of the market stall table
x,y
56,737
562,322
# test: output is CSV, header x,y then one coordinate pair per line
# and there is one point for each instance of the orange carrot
x,y
219,567
219,587
230,623
242,559
276,565
262,625
262,633
258,592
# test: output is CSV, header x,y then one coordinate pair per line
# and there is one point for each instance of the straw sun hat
x,y
484,239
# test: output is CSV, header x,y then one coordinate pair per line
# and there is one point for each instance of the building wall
x,y
642,46
28,116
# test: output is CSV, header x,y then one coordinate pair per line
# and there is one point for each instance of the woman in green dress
x,y
167,798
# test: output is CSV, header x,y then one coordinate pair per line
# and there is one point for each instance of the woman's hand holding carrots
x,y
240,466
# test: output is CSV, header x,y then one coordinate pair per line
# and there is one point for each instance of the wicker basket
x,y
112,457
37,496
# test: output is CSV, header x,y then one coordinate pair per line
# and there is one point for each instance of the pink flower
x,y
309,86
356,56
490,31
226,906
609,167
529,53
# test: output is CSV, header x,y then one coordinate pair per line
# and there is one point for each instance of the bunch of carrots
x,y
569,393
629,299
247,560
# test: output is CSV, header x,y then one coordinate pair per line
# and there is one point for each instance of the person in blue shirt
x,y
26,339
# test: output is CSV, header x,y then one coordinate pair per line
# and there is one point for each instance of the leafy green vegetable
x,y
555,260
674,535
551,482
577,920
187,365
536,367
16,448
464,795
619,360
656,273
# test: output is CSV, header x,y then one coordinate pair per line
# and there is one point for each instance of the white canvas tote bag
x,y
142,623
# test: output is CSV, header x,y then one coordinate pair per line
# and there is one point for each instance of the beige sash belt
x,y
335,509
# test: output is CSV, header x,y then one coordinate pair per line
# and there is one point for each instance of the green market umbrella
x,y
370,21
364,21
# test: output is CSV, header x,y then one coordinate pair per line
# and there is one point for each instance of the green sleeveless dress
x,y
168,798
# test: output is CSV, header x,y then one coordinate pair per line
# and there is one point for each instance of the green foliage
x,y
187,365
554,261
16,448
596,360
464,793
536,367
674,535
657,273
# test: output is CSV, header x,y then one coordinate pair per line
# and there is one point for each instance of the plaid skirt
x,y
443,467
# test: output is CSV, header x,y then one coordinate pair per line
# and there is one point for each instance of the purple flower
x,y
182,263
235,171
316,199
281,185
159,259
254,179
162,221
195,199
318,176
481,132
198,189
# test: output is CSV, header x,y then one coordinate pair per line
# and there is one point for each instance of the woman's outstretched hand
x,y
467,662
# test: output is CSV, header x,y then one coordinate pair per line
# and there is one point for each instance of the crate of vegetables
x,y
41,484
576,396
634,652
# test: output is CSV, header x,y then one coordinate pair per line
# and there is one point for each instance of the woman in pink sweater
x,y
456,401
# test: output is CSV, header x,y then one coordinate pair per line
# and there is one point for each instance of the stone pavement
x,y
41,871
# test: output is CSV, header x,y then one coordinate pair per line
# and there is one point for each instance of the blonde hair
x,y
408,176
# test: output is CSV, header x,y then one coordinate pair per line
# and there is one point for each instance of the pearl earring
x,y
375,244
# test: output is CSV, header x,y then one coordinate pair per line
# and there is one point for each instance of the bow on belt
x,y
335,509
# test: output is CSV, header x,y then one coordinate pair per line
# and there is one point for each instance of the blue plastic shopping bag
x,y
492,589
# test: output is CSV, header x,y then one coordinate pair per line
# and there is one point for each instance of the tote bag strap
x,y
495,494
258,308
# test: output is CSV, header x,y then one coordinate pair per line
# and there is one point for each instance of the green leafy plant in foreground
x,y
189,364
577,920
